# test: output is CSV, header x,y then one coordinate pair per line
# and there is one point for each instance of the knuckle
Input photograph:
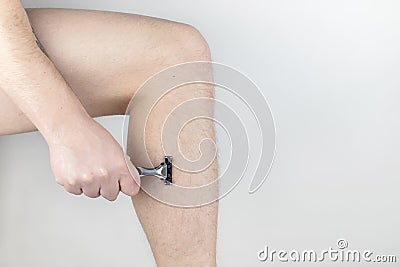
x,y
72,182
106,178
125,171
88,179
102,172
121,164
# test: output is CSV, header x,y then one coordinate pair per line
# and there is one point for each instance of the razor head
x,y
168,170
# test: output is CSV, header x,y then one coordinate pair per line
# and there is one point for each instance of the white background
x,y
330,71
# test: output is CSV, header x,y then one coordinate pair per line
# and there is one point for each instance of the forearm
x,y
30,79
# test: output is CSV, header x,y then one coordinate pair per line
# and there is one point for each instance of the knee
x,y
188,45
166,44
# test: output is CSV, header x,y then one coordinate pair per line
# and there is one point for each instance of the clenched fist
x,y
89,160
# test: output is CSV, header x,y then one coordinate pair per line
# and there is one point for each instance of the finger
x,y
133,172
76,190
128,185
91,191
110,190
60,181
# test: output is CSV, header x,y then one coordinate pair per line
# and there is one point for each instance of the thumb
x,y
130,183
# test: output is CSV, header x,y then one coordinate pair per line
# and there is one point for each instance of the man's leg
x,y
178,236
105,57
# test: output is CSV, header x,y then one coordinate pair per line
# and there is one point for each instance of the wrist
x,y
66,124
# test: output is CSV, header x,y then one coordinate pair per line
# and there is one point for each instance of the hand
x,y
90,161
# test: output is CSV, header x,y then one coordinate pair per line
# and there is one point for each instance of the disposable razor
x,y
162,171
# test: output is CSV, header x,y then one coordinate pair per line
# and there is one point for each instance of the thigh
x,y
104,57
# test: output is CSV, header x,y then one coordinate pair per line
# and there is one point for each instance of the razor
x,y
162,171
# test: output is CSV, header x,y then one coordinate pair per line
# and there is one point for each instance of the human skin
x,y
87,161
104,57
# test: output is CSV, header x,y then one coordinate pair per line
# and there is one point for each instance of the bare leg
x,y
105,57
178,236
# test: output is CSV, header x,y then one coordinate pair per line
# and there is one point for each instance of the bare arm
x,y
143,46
85,158
30,78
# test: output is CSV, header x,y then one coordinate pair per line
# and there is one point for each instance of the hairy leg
x,y
178,236
105,57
